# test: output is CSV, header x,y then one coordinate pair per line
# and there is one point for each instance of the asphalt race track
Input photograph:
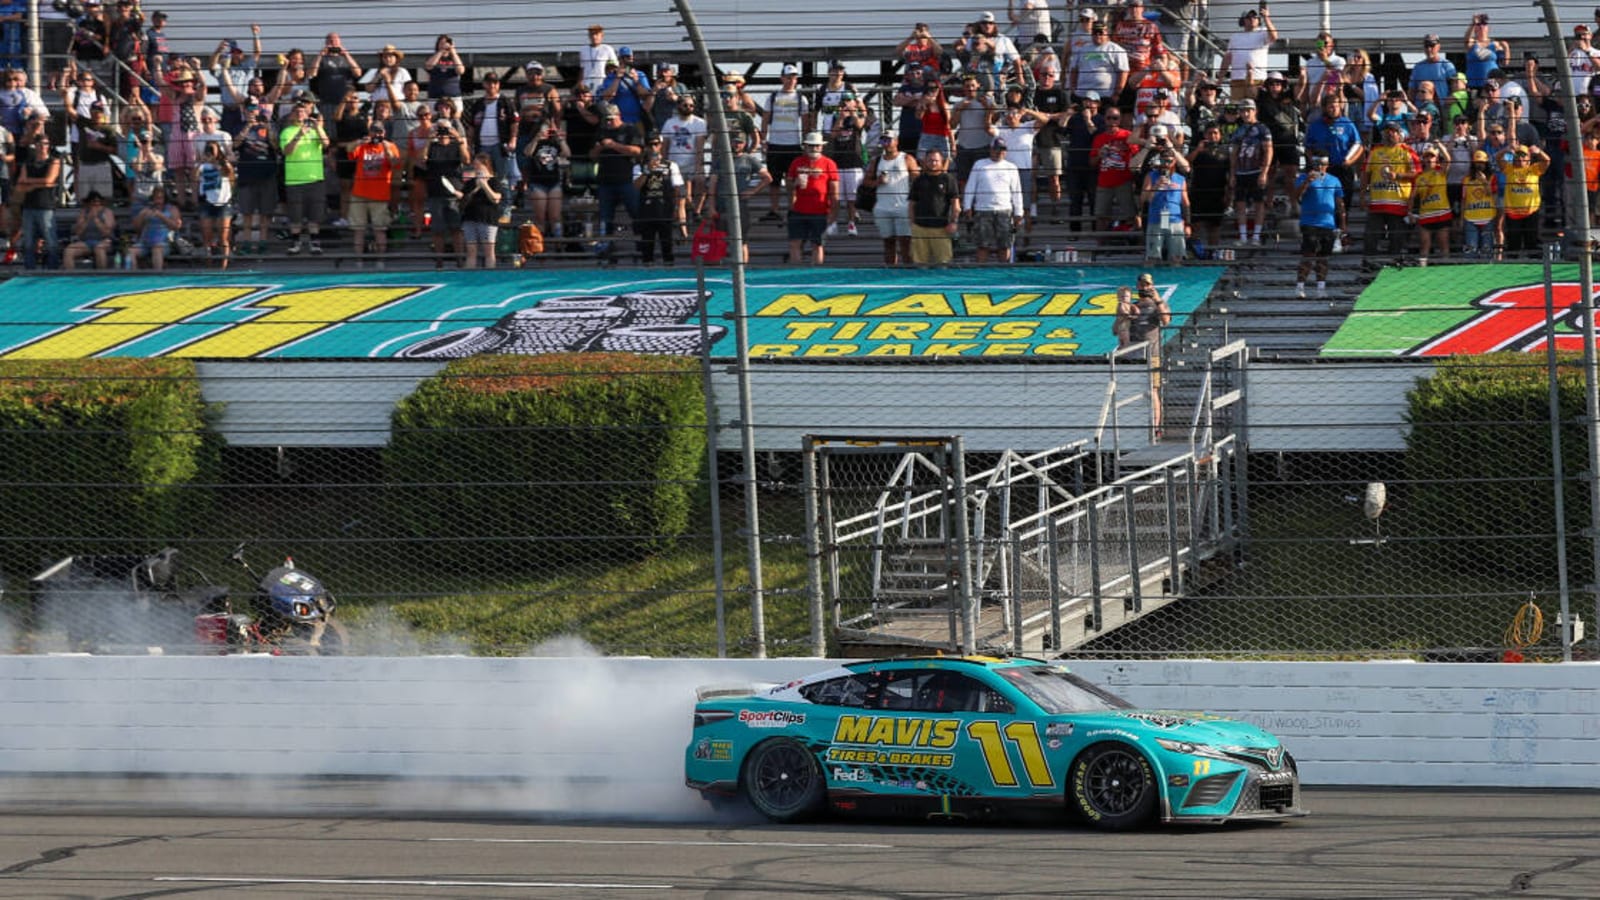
x,y
57,843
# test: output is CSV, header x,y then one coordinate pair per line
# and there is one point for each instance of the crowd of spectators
x,y
1114,125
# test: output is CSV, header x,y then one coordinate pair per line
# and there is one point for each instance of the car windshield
x,y
1059,691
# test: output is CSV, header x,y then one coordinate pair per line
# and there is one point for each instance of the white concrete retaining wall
x,y
605,720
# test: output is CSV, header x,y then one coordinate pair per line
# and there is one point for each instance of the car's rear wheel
x,y
783,781
1113,787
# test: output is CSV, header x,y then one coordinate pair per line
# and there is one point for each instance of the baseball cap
x,y
813,139
1158,131
1392,125
790,69
492,76
1430,39
1146,278
998,144
1092,96
1088,14
888,137
986,17
1276,76
624,51
1480,156
533,65
666,68
1319,159
1247,103
835,65
1580,29
233,47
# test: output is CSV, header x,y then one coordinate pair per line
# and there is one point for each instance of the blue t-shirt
x,y
1439,73
1167,200
1318,203
1335,139
1481,60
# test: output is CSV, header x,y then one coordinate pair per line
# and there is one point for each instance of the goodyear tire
x,y
782,780
1113,787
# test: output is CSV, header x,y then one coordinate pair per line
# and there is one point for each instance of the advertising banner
x,y
1447,310
1049,312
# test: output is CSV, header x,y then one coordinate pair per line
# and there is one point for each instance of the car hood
x,y
1196,728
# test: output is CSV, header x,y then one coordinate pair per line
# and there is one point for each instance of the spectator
x,y
256,184
846,148
483,195
376,162
98,140
993,202
787,113
1320,197
971,115
1160,112
1434,67
543,159
749,178
18,102
1276,109
416,144
350,128
387,80
1392,170
1203,109
93,234
1421,136
538,102
1082,35
157,53
129,44
1030,19
1160,77
1247,53
593,59
1430,202
628,89
664,99
1055,104
1083,123
1141,38
1209,179
1111,154
293,85
1480,210
1251,162
913,87
662,210
1140,319
742,111
684,136
91,40
403,112
37,180
1537,90
1019,128
920,50
989,55
1484,53
813,181
302,142
936,131
1320,73
1395,110
447,112
492,124
581,122
1165,201
13,17
153,228
214,202
1459,148
147,165
1101,67
935,210
1423,104
827,99
444,68
183,97
79,92
8,159
890,175
1459,101
336,74
1336,136
1522,200
446,158
617,146
234,77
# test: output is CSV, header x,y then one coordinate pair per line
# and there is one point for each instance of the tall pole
x,y
35,47
1558,469
1577,225
722,154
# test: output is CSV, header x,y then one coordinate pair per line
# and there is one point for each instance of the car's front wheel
x,y
783,781
1113,787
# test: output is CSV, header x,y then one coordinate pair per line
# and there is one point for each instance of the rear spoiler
x,y
715,691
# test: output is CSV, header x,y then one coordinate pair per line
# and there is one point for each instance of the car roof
x,y
943,662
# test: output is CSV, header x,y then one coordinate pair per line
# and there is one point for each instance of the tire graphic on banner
x,y
634,322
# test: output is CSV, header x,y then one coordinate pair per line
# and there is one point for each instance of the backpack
x,y
530,240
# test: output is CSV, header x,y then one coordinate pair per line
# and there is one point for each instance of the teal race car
x,y
973,737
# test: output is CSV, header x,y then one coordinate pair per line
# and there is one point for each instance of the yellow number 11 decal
x,y
992,741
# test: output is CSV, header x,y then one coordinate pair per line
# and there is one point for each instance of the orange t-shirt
x,y
375,167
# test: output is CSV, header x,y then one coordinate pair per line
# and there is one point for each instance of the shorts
x,y
1114,202
927,143
1165,243
1047,160
446,215
1436,227
544,190
1248,189
993,230
478,232
849,181
1316,241
804,227
1286,155
930,246
256,198
306,202
181,150
893,225
213,211
779,158
364,212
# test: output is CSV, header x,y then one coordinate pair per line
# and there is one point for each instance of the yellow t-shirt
x,y
1478,201
1522,189
1432,197
1390,195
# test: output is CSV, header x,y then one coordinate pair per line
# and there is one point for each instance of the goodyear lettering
x,y
885,731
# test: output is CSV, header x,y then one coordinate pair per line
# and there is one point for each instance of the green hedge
x,y
1478,461
517,464
100,452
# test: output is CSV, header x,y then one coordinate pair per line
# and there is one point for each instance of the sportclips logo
x,y
772,718
1512,319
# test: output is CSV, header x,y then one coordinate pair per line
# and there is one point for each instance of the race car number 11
x,y
992,740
